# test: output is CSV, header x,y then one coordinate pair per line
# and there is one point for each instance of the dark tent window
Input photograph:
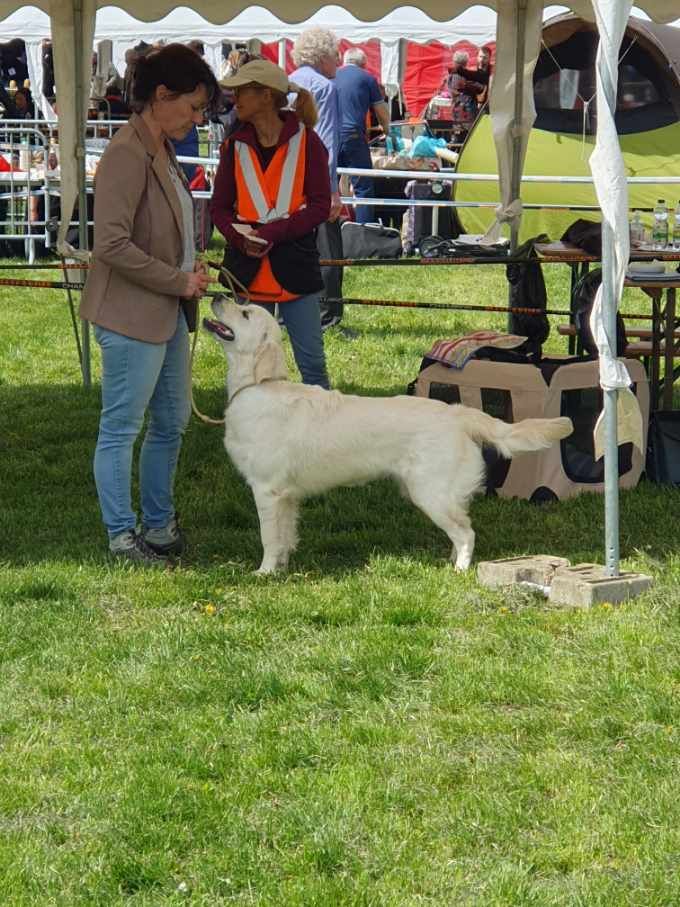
x,y
635,90
564,89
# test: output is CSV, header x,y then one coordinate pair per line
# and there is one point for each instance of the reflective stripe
x,y
252,182
257,187
285,192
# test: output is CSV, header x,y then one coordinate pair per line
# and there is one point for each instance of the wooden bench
x,y
638,348
569,330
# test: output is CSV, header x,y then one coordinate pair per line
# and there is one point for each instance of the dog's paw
x,y
267,570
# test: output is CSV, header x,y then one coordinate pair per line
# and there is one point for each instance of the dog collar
x,y
246,386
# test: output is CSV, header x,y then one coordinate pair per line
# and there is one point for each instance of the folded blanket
x,y
458,351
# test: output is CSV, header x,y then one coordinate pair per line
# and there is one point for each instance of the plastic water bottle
x,y
24,154
52,155
660,229
676,229
637,229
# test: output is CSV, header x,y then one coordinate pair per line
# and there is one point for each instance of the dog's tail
x,y
520,437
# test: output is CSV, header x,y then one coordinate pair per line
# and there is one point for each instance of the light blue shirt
x,y
328,126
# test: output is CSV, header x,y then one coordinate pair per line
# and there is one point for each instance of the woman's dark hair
x,y
177,67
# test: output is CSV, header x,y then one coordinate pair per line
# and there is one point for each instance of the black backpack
x,y
527,291
582,304
586,234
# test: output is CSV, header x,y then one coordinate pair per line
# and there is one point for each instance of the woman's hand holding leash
x,y
197,281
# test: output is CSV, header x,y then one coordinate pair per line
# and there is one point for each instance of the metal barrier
x,y
453,176
29,192
20,189
32,142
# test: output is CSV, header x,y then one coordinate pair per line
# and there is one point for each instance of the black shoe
x,y
129,546
166,541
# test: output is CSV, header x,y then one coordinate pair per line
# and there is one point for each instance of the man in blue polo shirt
x,y
358,94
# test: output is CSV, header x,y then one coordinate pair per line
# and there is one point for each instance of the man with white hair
x,y
315,54
358,94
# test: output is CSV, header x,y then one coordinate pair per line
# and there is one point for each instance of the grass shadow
x,y
50,509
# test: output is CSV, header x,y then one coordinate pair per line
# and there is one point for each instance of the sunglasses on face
x,y
251,87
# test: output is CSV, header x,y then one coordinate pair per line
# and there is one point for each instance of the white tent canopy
x,y
512,111
477,25
256,21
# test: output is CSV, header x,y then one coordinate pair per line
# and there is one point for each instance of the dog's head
x,y
250,336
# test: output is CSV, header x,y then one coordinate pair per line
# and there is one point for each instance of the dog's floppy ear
x,y
270,363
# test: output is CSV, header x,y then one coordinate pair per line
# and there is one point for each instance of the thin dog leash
x,y
236,289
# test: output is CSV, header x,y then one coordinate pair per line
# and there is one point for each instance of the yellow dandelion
x,y
210,609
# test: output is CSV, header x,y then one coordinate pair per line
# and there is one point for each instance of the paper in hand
x,y
247,231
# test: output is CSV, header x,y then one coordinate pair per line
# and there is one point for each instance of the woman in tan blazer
x,y
141,295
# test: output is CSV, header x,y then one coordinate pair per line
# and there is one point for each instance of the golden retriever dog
x,y
290,441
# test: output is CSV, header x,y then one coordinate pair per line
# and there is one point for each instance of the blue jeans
x,y
136,376
354,152
302,319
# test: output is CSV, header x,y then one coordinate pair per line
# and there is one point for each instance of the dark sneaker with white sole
x,y
166,541
129,546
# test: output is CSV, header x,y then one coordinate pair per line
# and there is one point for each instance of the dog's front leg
x,y
270,512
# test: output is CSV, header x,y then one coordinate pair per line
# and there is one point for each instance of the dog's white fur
x,y
291,441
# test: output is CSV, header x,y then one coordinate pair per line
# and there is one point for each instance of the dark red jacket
x,y
316,186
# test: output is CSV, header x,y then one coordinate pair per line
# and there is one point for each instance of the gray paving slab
x,y
584,585
537,569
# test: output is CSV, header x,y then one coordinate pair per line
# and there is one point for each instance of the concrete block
x,y
537,569
584,585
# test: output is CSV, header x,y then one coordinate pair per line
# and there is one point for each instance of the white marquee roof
x,y
476,24
219,11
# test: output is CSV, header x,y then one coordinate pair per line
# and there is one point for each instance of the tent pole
x,y
518,113
282,53
82,185
611,446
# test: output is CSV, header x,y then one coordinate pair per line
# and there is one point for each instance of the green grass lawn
x,y
372,729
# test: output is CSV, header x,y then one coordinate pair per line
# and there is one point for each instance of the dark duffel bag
x,y
370,241
663,447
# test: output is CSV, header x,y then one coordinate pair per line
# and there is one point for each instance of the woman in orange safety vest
x,y
272,191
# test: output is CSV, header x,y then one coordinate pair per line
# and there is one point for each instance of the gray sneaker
x,y
129,546
165,541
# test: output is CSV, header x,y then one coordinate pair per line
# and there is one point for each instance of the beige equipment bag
x,y
513,392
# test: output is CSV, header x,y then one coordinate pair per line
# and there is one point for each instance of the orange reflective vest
x,y
262,197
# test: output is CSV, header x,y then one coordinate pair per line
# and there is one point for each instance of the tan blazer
x,y
134,283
